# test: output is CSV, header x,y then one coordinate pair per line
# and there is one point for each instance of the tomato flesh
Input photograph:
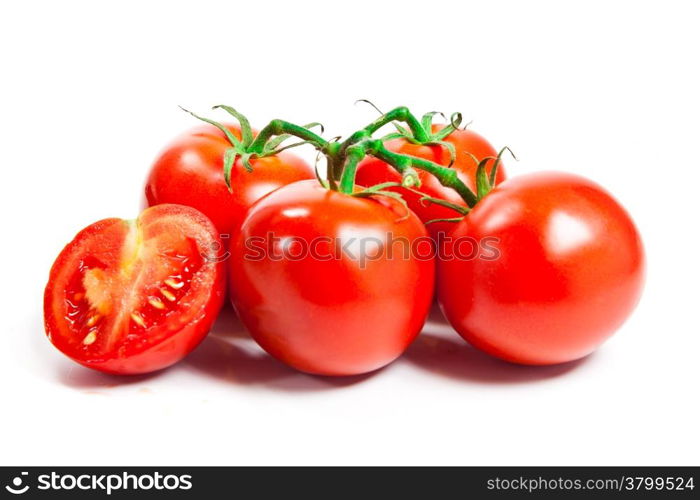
x,y
133,297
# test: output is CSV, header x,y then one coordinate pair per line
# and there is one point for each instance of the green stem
x,y
445,203
401,114
447,176
279,127
343,158
334,164
354,155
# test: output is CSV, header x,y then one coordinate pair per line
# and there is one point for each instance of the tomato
x,y
189,171
130,297
567,270
373,171
314,280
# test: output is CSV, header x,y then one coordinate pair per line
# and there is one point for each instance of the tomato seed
x,y
92,320
168,294
156,302
89,338
174,284
138,320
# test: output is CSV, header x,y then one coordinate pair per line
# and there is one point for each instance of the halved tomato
x,y
132,297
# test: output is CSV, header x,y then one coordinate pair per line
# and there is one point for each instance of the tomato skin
x,y
170,337
189,171
372,171
330,317
570,271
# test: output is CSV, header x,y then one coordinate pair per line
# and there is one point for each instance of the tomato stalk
x,y
343,157
447,176
281,127
353,156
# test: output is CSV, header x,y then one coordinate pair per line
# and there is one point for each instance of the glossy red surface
x,y
189,171
570,271
333,316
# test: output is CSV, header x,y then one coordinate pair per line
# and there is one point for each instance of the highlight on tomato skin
x,y
131,297
569,270
324,310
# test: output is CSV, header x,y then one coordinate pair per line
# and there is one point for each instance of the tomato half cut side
x,y
129,297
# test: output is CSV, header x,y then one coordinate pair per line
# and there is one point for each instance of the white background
x,y
89,94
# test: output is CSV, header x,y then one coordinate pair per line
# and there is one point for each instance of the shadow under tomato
x,y
440,350
231,355
80,377
228,325
228,354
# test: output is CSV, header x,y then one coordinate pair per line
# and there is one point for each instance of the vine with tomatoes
x,y
537,269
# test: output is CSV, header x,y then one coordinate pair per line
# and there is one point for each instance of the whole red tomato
x,y
566,272
318,283
129,297
373,171
189,171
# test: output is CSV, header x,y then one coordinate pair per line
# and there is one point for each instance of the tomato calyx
x,y
485,182
247,147
425,200
381,190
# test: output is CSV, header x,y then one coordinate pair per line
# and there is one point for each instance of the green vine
x,y
343,157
